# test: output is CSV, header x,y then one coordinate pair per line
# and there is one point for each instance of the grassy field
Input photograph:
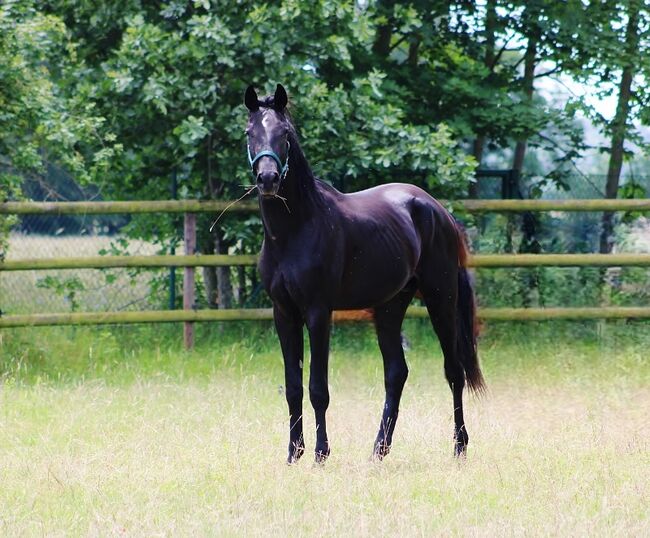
x,y
117,431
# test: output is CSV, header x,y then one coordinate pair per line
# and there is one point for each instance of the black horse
x,y
374,249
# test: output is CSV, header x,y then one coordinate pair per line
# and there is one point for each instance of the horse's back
x,y
405,209
385,231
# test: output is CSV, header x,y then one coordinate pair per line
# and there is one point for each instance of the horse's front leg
x,y
289,328
318,324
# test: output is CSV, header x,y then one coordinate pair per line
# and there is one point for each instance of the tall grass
x,y
118,431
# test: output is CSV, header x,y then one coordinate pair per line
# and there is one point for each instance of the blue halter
x,y
268,153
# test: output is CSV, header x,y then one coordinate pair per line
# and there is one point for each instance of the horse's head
x,y
268,144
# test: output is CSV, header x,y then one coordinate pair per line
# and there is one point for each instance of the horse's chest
x,y
298,279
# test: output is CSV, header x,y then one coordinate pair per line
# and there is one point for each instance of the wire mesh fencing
x,y
123,289
42,237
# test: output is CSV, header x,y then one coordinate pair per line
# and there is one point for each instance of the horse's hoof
x,y
380,451
321,456
295,452
461,439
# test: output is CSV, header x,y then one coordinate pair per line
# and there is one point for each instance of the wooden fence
x,y
191,260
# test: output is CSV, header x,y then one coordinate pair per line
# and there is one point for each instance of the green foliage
x,y
176,79
380,92
611,45
631,190
170,82
68,288
128,94
39,122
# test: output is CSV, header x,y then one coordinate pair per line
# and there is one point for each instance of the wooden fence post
x,y
189,234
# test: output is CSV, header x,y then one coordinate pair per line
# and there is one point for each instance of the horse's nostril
x,y
267,179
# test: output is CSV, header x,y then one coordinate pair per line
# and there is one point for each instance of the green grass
x,y
118,431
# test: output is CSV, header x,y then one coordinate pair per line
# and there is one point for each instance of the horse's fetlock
x,y
322,452
296,450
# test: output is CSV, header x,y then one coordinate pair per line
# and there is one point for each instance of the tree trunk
x,y
210,282
477,152
414,51
479,142
205,244
241,285
381,45
254,281
529,278
530,59
490,28
217,279
619,124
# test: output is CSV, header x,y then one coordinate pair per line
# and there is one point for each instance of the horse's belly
x,y
369,285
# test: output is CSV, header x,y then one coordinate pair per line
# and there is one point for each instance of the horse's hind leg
x,y
441,303
388,323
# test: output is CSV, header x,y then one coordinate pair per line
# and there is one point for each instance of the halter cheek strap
x,y
268,153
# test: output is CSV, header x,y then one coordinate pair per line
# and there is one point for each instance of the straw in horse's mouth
x,y
284,201
251,188
275,195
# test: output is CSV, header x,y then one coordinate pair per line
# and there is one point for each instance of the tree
x,y
623,59
172,88
39,124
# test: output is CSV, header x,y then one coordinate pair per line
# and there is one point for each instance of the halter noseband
x,y
269,153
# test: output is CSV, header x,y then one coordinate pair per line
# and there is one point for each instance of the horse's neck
x,y
284,215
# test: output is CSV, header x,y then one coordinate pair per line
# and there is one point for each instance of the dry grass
x,y
555,450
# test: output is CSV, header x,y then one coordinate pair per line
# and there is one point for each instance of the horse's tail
x,y
467,323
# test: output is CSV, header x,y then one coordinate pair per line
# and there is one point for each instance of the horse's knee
x,y
294,396
319,396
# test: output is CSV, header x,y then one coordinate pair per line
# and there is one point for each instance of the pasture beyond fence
x,y
190,260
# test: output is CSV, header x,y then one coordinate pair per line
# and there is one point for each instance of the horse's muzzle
x,y
268,183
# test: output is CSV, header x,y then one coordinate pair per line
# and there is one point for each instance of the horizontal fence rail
x,y
214,206
112,208
191,260
266,314
559,260
106,262
223,260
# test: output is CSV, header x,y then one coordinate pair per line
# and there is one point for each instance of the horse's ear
x,y
250,99
280,98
